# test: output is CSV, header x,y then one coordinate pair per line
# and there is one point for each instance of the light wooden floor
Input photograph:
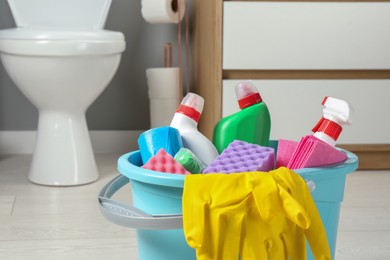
x,y
38,222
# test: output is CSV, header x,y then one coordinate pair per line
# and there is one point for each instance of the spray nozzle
x,y
338,110
337,113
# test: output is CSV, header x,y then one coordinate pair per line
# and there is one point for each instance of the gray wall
x,y
124,105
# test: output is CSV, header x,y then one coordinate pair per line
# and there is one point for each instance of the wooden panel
x,y
207,60
306,35
295,107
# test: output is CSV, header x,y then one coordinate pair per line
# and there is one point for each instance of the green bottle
x,y
251,124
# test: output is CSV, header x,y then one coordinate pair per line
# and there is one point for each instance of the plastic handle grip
x,y
129,216
311,185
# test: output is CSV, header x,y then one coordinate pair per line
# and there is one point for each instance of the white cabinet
x,y
263,36
295,107
306,35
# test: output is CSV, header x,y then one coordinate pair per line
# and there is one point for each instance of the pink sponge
x,y
164,162
241,156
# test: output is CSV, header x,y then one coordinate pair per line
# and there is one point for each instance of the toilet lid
x,y
29,34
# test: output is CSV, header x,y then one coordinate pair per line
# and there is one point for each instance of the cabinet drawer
x,y
295,107
306,35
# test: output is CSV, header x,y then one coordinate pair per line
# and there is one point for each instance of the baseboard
x,y
22,142
371,156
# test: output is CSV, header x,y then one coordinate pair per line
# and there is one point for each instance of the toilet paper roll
x,y
162,11
162,111
163,92
163,82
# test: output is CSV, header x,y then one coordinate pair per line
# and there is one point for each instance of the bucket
x,y
157,205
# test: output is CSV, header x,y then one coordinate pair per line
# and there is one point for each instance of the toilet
x,y
61,59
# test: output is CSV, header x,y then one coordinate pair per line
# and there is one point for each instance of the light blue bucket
x,y
156,211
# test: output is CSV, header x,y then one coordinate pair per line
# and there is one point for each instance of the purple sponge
x,y
241,156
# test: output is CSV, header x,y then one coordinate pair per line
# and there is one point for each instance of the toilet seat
x,y
37,42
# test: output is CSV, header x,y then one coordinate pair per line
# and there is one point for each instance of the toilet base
x,y
63,154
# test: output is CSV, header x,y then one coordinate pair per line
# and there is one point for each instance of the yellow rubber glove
x,y
282,230
208,203
315,234
247,214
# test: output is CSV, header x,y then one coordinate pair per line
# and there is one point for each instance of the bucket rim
x,y
348,166
128,165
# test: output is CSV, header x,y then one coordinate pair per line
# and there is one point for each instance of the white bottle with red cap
x,y
337,113
186,121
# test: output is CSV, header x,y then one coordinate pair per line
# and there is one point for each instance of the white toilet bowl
x,y
61,68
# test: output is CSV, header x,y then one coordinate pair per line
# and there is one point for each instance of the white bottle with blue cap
x,y
186,121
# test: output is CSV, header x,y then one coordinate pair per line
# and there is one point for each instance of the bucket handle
x,y
130,216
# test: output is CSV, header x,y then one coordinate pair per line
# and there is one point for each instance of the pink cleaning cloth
x,y
300,152
311,152
164,162
286,149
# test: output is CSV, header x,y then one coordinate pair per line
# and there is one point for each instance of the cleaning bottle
x,y
186,121
336,113
251,124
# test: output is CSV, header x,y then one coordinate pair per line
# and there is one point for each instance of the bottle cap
x,y
189,160
191,106
337,113
247,94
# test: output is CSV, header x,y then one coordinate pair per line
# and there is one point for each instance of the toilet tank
x,y
61,14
